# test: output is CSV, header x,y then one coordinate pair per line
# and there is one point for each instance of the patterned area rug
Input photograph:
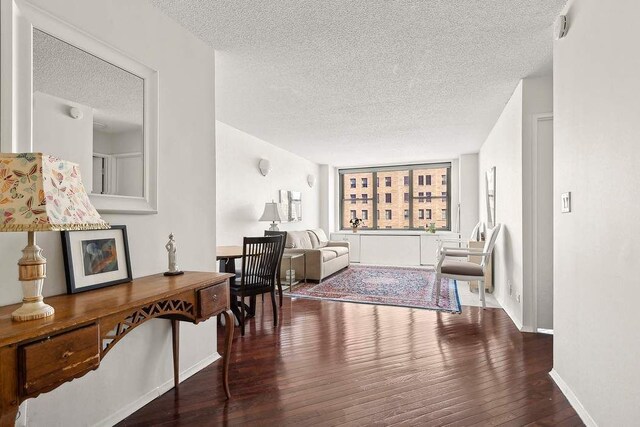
x,y
398,286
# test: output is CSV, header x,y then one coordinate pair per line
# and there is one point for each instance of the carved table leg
x,y
175,335
228,341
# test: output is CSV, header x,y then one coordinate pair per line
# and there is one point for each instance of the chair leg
x,y
437,285
481,292
234,307
275,307
242,316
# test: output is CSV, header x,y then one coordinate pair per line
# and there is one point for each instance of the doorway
x,y
543,222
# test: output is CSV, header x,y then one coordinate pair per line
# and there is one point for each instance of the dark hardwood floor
x,y
330,363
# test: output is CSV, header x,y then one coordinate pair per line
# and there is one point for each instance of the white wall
x,y
468,170
55,132
139,367
597,340
327,198
508,148
503,149
242,191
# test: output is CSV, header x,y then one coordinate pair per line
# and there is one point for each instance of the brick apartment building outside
x,y
392,192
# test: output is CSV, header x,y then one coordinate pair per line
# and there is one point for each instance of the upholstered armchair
x,y
454,267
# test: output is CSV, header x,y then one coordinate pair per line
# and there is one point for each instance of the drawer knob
x,y
214,297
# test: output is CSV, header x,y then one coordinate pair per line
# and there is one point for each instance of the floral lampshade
x,y
39,192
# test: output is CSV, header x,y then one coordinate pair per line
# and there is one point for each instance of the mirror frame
x,y
18,19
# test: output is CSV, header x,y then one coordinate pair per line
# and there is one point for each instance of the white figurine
x,y
173,263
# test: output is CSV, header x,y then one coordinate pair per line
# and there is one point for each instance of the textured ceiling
x,y
67,72
369,82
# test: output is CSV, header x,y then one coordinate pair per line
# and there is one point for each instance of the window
x,y
365,214
392,195
353,214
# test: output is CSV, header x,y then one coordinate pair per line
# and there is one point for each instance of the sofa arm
x,y
311,255
342,243
313,263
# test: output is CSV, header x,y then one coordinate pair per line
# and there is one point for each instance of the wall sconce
x,y
264,166
311,179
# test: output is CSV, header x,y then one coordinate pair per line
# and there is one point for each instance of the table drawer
x,y
213,300
48,363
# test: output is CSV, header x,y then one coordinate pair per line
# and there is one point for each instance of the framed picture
x,y
295,206
96,258
490,181
284,203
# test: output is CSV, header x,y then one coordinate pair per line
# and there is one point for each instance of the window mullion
x,y
375,200
410,199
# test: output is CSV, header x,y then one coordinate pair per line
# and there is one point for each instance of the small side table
x,y
292,281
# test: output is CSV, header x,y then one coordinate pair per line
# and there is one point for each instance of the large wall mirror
x,y
91,112
90,104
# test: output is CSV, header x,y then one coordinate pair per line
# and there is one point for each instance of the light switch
x,y
566,202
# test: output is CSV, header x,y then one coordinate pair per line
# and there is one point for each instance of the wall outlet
x,y
510,288
518,297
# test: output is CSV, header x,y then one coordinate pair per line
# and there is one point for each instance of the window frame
x,y
374,200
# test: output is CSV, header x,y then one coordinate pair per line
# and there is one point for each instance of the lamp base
x,y
32,310
32,270
274,227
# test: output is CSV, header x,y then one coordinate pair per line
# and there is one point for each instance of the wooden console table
x,y
37,356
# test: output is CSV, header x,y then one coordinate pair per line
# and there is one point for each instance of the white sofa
x,y
323,257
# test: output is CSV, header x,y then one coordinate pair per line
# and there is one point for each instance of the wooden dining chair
x,y
283,234
260,258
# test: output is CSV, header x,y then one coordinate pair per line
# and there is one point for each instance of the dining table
x,y
227,256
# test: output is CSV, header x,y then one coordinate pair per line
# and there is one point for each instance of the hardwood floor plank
x,y
330,363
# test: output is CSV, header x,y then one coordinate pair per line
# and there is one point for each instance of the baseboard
x,y
545,331
515,320
124,412
573,400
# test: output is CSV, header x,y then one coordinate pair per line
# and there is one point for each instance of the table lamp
x,y
273,212
41,193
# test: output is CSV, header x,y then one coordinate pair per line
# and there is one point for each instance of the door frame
x,y
533,305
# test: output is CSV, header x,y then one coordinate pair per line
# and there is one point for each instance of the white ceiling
x,y
370,82
67,72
